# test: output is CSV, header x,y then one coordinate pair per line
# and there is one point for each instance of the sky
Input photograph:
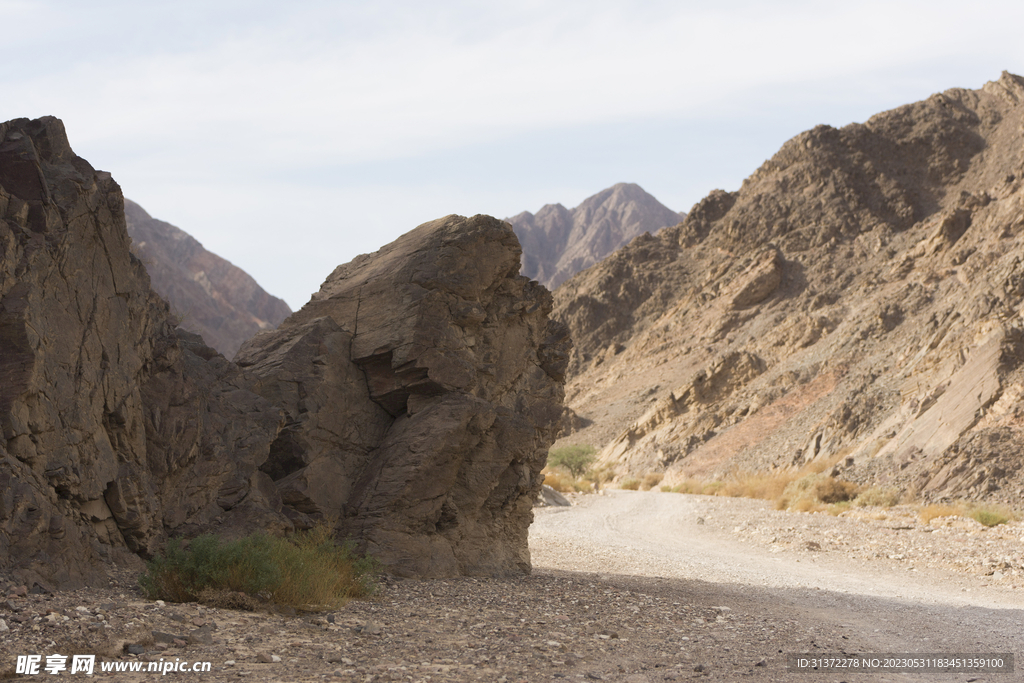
x,y
291,137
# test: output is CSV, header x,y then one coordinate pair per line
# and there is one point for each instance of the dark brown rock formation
x,y
422,385
209,295
874,273
115,431
411,402
558,243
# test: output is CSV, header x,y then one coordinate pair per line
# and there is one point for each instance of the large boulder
x,y
422,386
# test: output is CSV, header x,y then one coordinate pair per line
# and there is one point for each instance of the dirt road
x,y
837,601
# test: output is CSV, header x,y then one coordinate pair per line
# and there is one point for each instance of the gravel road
x,y
841,597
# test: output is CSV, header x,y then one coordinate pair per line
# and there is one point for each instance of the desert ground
x,y
627,586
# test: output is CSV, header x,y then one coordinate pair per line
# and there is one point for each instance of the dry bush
x,y
878,497
811,491
558,480
830,490
839,508
690,485
596,477
630,484
763,485
805,505
988,515
650,480
930,512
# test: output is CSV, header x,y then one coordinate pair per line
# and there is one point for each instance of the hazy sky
x,y
289,137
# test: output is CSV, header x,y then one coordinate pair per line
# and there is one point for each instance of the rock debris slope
x,y
209,295
410,403
558,242
858,300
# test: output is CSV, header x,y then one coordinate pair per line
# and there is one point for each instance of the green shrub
x,y
991,515
576,459
307,571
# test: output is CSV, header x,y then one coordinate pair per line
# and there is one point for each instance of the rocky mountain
x,y
558,243
410,403
208,294
856,303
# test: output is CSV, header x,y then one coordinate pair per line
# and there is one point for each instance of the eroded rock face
x,y
116,430
422,386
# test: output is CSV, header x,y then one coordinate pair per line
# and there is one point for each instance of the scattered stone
x,y
548,496
201,636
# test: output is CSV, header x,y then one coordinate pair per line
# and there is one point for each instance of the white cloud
x,y
232,118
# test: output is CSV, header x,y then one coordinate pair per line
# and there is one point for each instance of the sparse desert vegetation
x,y
576,459
307,571
571,469
988,515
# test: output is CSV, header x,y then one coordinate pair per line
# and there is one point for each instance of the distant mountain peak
x,y
559,242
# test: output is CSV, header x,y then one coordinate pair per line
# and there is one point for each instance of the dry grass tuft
x,y
559,480
878,497
630,484
988,515
812,492
930,512
763,485
650,480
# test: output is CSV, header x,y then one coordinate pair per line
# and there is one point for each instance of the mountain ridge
x,y
211,296
849,303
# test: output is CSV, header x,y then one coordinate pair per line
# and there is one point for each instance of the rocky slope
x,y
558,242
119,430
858,301
209,295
